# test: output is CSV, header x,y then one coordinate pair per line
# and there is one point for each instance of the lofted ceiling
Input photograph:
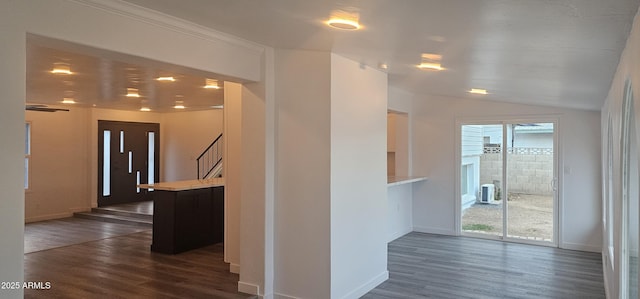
x,y
548,52
560,53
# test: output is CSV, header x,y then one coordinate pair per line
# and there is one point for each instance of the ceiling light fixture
x,y
166,79
430,62
145,109
179,105
211,84
132,93
61,68
478,91
68,101
217,106
344,20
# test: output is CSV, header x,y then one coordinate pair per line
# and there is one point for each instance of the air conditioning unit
x,y
487,193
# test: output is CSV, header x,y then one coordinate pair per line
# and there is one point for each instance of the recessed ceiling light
x,y
166,79
344,20
430,66
211,84
132,93
478,91
145,109
68,101
217,106
430,61
61,68
179,105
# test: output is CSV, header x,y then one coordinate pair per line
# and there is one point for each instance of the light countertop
x,y
185,185
399,180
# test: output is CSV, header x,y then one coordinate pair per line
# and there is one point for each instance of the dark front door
x,y
128,155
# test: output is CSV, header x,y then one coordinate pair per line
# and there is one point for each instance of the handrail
x,y
210,158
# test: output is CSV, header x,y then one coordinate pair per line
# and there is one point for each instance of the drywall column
x,y
302,248
358,178
232,135
331,176
12,132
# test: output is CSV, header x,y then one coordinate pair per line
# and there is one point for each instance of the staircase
x,y
210,161
115,215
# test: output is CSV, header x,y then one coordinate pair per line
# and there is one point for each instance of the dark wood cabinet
x,y
188,219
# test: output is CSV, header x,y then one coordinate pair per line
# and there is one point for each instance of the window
x,y
27,154
466,178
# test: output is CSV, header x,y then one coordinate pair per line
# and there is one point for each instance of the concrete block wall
x,y
528,173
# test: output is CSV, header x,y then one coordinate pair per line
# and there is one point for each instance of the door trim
x,y
557,147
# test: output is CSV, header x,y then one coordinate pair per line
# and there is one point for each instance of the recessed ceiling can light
x,y
179,105
430,61
478,91
166,79
68,101
145,109
211,84
431,66
344,20
132,93
61,68
217,106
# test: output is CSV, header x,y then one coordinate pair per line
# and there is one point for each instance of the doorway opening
x,y
507,181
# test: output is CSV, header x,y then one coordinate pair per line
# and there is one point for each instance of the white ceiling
x,y
100,79
550,52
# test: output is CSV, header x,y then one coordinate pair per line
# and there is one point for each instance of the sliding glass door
x,y
508,182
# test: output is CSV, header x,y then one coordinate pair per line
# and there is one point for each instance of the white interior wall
x,y
12,134
59,183
184,136
302,215
255,227
628,69
433,123
232,172
358,178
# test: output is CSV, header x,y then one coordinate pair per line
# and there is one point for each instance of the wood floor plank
x,y
122,266
434,266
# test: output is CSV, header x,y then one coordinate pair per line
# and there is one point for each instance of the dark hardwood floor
x,y
106,264
434,266
68,231
92,259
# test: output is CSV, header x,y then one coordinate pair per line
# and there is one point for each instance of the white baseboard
x,y
580,247
48,217
398,234
437,231
607,291
234,268
368,286
248,288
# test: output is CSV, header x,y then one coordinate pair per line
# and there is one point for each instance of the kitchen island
x,y
187,214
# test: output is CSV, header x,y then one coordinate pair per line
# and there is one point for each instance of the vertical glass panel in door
x,y
480,179
530,181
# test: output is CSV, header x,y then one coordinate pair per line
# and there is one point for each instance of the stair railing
x,y
210,158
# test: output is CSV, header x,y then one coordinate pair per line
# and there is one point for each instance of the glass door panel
x,y
481,173
530,181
